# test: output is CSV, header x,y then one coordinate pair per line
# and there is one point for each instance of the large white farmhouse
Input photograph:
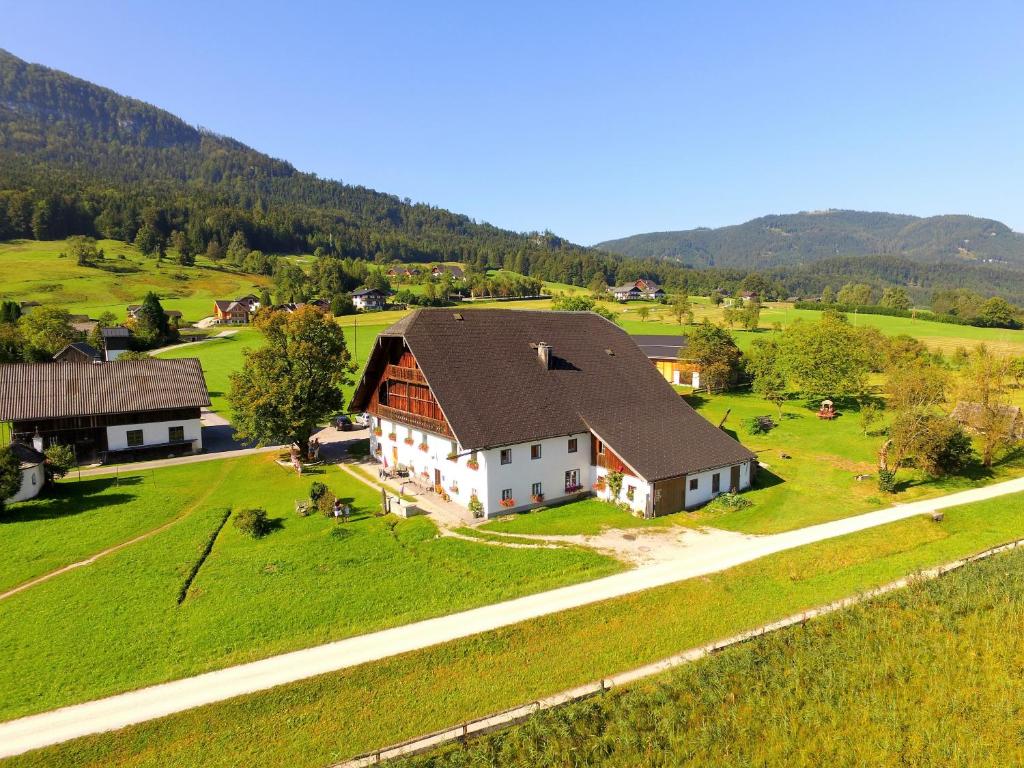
x,y
517,408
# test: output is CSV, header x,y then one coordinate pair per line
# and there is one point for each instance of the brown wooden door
x,y
669,496
394,455
437,478
734,478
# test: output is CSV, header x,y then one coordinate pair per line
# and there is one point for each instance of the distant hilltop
x,y
810,236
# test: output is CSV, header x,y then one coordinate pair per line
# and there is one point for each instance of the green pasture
x,y
311,580
332,717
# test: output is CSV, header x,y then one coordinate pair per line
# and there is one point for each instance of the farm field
x,y
388,701
31,270
921,656
336,580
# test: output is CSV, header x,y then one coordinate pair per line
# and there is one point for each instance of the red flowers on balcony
x,y
424,447
573,488
408,441
507,503
473,464
392,437
537,498
600,485
378,431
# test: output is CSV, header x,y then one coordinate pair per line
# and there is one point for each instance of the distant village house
x,y
668,353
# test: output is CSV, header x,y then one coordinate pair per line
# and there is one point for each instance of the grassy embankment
x,y
337,580
320,721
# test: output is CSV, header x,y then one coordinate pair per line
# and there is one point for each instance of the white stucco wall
x,y
155,433
703,494
641,490
491,476
32,479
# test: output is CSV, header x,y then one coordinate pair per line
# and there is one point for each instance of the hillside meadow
x,y
327,719
32,270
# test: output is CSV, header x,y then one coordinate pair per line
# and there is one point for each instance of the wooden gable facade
x,y
402,394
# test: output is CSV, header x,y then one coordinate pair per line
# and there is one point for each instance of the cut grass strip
x,y
325,720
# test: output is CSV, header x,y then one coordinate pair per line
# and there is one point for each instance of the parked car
x,y
349,422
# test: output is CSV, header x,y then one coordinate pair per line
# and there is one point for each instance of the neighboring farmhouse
x,y
668,353
116,341
173,315
127,409
638,289
369,298
515,408
79,352
231,312
448,269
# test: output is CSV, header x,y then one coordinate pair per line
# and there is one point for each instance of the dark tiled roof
x,y
369,291
46,391
661,346
117,332
494,390
26,455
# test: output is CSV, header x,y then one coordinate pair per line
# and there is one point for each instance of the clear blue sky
x,y
595,120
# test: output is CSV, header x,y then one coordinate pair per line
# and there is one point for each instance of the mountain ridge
x,y
808,236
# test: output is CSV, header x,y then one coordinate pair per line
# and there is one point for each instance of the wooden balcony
x,y
401,373
412,419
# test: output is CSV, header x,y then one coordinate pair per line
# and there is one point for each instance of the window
x,y
693,483
572,445
600,447
630,492
134,438
535,490
506,494
175,434
535,451
716,483
572,480
506,455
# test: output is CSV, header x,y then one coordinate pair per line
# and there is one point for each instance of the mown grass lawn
x,y
76,519
327,719
310,581
32,270
928,676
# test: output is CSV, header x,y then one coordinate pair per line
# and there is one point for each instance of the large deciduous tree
x,y
824,359
715,351
46,331
292,384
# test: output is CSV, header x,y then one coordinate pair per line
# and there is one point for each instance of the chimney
x,y
544,353
37,441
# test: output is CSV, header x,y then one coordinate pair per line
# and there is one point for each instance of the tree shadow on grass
x,y
765,478
52,508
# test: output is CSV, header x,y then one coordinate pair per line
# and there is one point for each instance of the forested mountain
x,y
76,158
802,238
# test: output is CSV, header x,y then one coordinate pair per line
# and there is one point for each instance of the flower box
x,y
378,431
454,488
600,485
537,498
424,447
392,437
507,502
408,441
573,488
473,464
452,457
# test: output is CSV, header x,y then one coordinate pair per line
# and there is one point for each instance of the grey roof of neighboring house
x,y
82,348
484,370
661,347
369,291
26,455
47,391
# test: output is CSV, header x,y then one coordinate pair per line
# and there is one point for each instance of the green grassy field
x,y
324,720
924,677
336,580
31,270
586,517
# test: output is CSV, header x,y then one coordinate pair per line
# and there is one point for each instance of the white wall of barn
x,y
523,472
32,480
155,433
641,490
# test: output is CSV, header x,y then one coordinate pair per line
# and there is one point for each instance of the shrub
x,y
325,504
475,506
252,522
614,484
60,459
731,501
316,491
886,480
760,425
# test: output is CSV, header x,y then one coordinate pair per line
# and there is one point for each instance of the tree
x,y
730,316
10,475
769,381
60,459
983,390
998,313
750,315
153,327
598,287
855,294
265,302
292,384
83,250
342,305
46,331
238,248
870,414
824,359
579,303
828,296
12,344
214,250
681,308
643,313
10,311
895,298
1016,370
148,240
717,354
